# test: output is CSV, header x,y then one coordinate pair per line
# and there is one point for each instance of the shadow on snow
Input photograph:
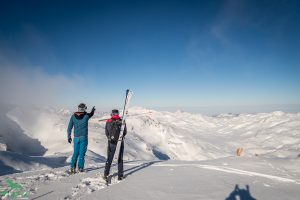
x,y
240,194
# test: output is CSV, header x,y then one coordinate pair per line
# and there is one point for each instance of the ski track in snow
x,y
231,170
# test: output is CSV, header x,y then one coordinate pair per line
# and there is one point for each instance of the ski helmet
x,y
114,112
82,107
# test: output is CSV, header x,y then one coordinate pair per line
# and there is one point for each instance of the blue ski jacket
x,y
79,121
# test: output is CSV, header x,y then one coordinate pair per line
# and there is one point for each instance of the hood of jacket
x,y
114,117
79,115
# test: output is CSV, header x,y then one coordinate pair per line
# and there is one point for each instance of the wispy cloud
x,y
215,47
35,87
229,13
22,78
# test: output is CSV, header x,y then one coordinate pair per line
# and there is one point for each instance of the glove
x,y
70,140
93,109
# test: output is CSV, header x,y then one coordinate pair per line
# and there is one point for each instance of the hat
x,y
115,112
82,107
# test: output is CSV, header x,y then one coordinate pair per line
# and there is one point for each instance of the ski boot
x,y
120,178
80,170
72,171
105,177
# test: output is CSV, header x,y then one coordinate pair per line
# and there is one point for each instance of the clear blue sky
x,y
171,53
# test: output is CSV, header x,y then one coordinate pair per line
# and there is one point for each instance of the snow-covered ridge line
x,y
163,135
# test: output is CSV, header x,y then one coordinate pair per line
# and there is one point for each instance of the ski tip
x,y
128,91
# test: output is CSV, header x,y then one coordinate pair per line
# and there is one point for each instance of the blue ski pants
x,y
80,147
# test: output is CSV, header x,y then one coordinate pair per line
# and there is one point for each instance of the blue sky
x,y
171,53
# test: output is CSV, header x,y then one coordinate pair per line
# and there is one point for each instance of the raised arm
x,y
91,114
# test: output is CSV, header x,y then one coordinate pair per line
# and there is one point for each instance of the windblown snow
x,y
36,140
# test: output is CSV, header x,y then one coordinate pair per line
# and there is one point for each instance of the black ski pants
x,y
111,149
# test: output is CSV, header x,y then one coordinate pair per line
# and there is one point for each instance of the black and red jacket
x,y
108,125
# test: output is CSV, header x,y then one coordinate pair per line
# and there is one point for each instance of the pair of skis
x,y
128,96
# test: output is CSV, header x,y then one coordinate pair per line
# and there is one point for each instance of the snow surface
x,y
168,155
212,179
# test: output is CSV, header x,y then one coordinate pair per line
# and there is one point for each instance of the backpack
x,y
115,131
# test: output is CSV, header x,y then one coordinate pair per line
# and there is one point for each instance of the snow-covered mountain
x,y
157,135
201,154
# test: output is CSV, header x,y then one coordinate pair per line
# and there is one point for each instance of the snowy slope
x,y
167,135
200,151
225,178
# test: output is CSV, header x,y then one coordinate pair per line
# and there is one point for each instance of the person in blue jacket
x,y
79,120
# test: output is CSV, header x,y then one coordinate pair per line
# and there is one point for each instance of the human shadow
x,y
240,194
133,161
134,169
89,169
137,168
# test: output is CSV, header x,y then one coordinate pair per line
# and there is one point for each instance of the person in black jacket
x,y
112,143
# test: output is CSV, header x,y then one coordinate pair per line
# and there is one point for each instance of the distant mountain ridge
x,y
160,135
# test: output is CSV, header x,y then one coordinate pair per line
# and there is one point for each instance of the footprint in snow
x,y
90,185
